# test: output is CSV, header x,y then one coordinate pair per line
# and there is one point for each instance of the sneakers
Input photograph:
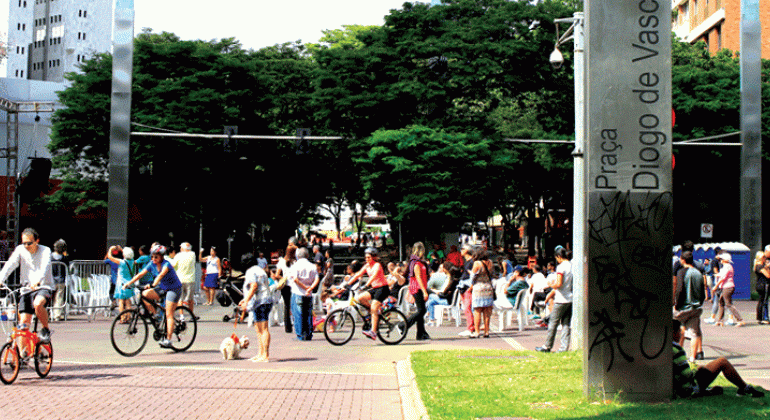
x,y
45,336
730,322
165,343
709,320
371,334
699,356
750,391
543,349
465,333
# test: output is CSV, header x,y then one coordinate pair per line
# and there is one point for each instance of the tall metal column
x,y
627,350
751,126
120,122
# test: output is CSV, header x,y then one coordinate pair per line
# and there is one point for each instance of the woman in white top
x,y
213,268
281,272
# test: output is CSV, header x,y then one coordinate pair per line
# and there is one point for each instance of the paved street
x,y
311,380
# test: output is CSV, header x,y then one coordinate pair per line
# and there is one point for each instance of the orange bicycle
x,y
23,346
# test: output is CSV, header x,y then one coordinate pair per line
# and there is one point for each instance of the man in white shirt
x,y
36,280
302,278
562,308
184,265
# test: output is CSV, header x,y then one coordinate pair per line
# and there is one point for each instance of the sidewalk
x,y
313,380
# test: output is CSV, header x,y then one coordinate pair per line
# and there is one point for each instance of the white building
x,y
48,38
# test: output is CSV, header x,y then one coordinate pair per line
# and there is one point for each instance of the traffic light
x,y
231,144
36,181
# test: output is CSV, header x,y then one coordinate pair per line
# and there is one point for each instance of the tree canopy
x,y
424,101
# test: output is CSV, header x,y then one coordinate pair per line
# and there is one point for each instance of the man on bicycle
x,y
36,280
379,293
166,285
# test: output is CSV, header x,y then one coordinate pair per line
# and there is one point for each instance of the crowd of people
x,y
432,278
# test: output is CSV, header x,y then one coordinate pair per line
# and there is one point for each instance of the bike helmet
x,y
158,249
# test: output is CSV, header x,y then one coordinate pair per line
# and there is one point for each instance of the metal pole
x,y
120,123
751,129
579,193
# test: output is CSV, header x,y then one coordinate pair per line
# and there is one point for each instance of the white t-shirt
x,y
538,282
303,270
564,293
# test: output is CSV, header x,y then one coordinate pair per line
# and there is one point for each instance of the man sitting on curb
x,y
695,384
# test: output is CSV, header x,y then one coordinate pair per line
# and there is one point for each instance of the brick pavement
x,y
315,380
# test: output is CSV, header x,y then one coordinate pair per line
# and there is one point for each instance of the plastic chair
x,y
453,309
79,295
100,294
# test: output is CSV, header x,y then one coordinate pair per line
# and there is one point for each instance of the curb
x,y
412,407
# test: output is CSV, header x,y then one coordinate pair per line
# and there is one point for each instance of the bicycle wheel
x,y
185,329
9,363
43,359
392,327
339,327
129,339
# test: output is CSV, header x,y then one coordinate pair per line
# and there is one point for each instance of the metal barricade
x,y
86,277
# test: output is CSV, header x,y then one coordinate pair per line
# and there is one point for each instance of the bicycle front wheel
x,y
9,363
392,326
43,359
339,327
129,338
185,329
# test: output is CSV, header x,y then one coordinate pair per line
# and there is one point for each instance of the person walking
x,y
689,304
466,252
418,288
184,264
725,281
562,308
763,280
59,255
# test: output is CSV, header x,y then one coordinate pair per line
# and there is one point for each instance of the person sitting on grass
x,y
689,383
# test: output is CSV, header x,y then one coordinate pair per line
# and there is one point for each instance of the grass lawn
x,y
473,384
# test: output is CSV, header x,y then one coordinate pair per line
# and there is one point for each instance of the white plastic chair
x,y
76,291
502,307
453,310
100,294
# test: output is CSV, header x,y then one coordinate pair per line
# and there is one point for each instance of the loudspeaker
x,y
36,181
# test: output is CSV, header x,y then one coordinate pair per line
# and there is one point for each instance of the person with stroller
x,y
166,285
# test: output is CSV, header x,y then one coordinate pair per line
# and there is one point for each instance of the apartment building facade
x,y
48,38
716,22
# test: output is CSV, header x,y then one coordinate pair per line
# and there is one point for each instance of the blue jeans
x,y
302,310
434,300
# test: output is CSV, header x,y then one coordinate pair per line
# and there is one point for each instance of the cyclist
x,y
374,298
166,285
36,280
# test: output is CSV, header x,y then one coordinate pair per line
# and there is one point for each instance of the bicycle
x,y
22,346
340,324
129,338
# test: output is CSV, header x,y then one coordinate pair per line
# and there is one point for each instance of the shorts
x,y
27,300
262,312
187,292
380,294
690,319
169,296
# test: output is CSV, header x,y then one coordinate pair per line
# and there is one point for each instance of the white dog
x,y
231,346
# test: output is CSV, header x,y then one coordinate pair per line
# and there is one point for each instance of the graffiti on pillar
x,y
624,238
